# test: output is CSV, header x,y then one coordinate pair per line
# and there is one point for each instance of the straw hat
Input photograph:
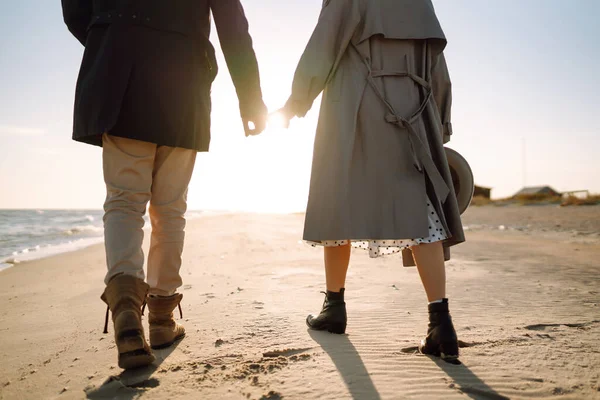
x,y
462,178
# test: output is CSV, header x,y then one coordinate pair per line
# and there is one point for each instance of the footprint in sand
x,y
271,396
258,305
285,352
543,327
114,386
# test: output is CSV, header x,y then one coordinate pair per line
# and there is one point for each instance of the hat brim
x,y
462,178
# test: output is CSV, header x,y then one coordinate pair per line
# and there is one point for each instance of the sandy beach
x,y
524,294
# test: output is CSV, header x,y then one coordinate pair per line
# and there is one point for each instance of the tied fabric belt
x,y
421,158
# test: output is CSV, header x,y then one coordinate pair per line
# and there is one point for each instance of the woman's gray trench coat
x,y
379,152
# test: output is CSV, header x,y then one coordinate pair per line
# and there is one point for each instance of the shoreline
x,y
50,251
472,221
39,251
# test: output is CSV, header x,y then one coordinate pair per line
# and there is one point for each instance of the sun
x,y
277,121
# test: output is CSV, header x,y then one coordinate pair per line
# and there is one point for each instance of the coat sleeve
x,y
442,92
324,51
77,14
232,28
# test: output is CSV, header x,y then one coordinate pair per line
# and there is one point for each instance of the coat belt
x,y
421,158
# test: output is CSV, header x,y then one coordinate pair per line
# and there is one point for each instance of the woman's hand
x,y
281,118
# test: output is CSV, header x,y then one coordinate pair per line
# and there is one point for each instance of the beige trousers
x,y
136,173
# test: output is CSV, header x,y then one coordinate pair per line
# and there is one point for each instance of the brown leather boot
x,y
164,331
124,295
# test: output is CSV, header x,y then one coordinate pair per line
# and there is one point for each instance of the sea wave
x,y
32,234
37,252
83,229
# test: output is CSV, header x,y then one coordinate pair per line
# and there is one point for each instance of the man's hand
x,y
255,119
255,126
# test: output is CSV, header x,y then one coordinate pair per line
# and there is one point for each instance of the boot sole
x,y
136,359
448,357
338,328
445,351
168,344
133,349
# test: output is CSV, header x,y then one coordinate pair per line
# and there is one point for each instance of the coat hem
x,y
96,140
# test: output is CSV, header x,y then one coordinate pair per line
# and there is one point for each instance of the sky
x,y
526,101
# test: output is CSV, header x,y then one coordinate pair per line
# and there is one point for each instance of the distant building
x,y
481,191
533,190
580,194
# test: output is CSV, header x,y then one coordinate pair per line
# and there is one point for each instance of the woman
x,y
380,178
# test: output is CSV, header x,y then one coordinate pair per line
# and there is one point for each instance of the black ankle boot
x,y
333,315
441,340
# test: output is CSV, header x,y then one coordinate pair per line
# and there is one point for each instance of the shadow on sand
x,y
464,380
358,381
129,383
348,362
467,382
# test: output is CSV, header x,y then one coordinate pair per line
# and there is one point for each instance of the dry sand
x,y
525,297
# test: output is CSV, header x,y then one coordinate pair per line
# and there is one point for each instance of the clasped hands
x,y
254,126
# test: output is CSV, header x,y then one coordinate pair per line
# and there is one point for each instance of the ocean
x,y
32,234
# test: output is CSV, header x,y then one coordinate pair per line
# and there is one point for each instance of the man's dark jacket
x,y
148,67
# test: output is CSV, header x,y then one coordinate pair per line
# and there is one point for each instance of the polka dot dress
x,y
379,248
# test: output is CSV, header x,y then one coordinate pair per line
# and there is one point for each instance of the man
x,y
143,94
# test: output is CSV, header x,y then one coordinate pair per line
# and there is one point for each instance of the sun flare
x,y
277,121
